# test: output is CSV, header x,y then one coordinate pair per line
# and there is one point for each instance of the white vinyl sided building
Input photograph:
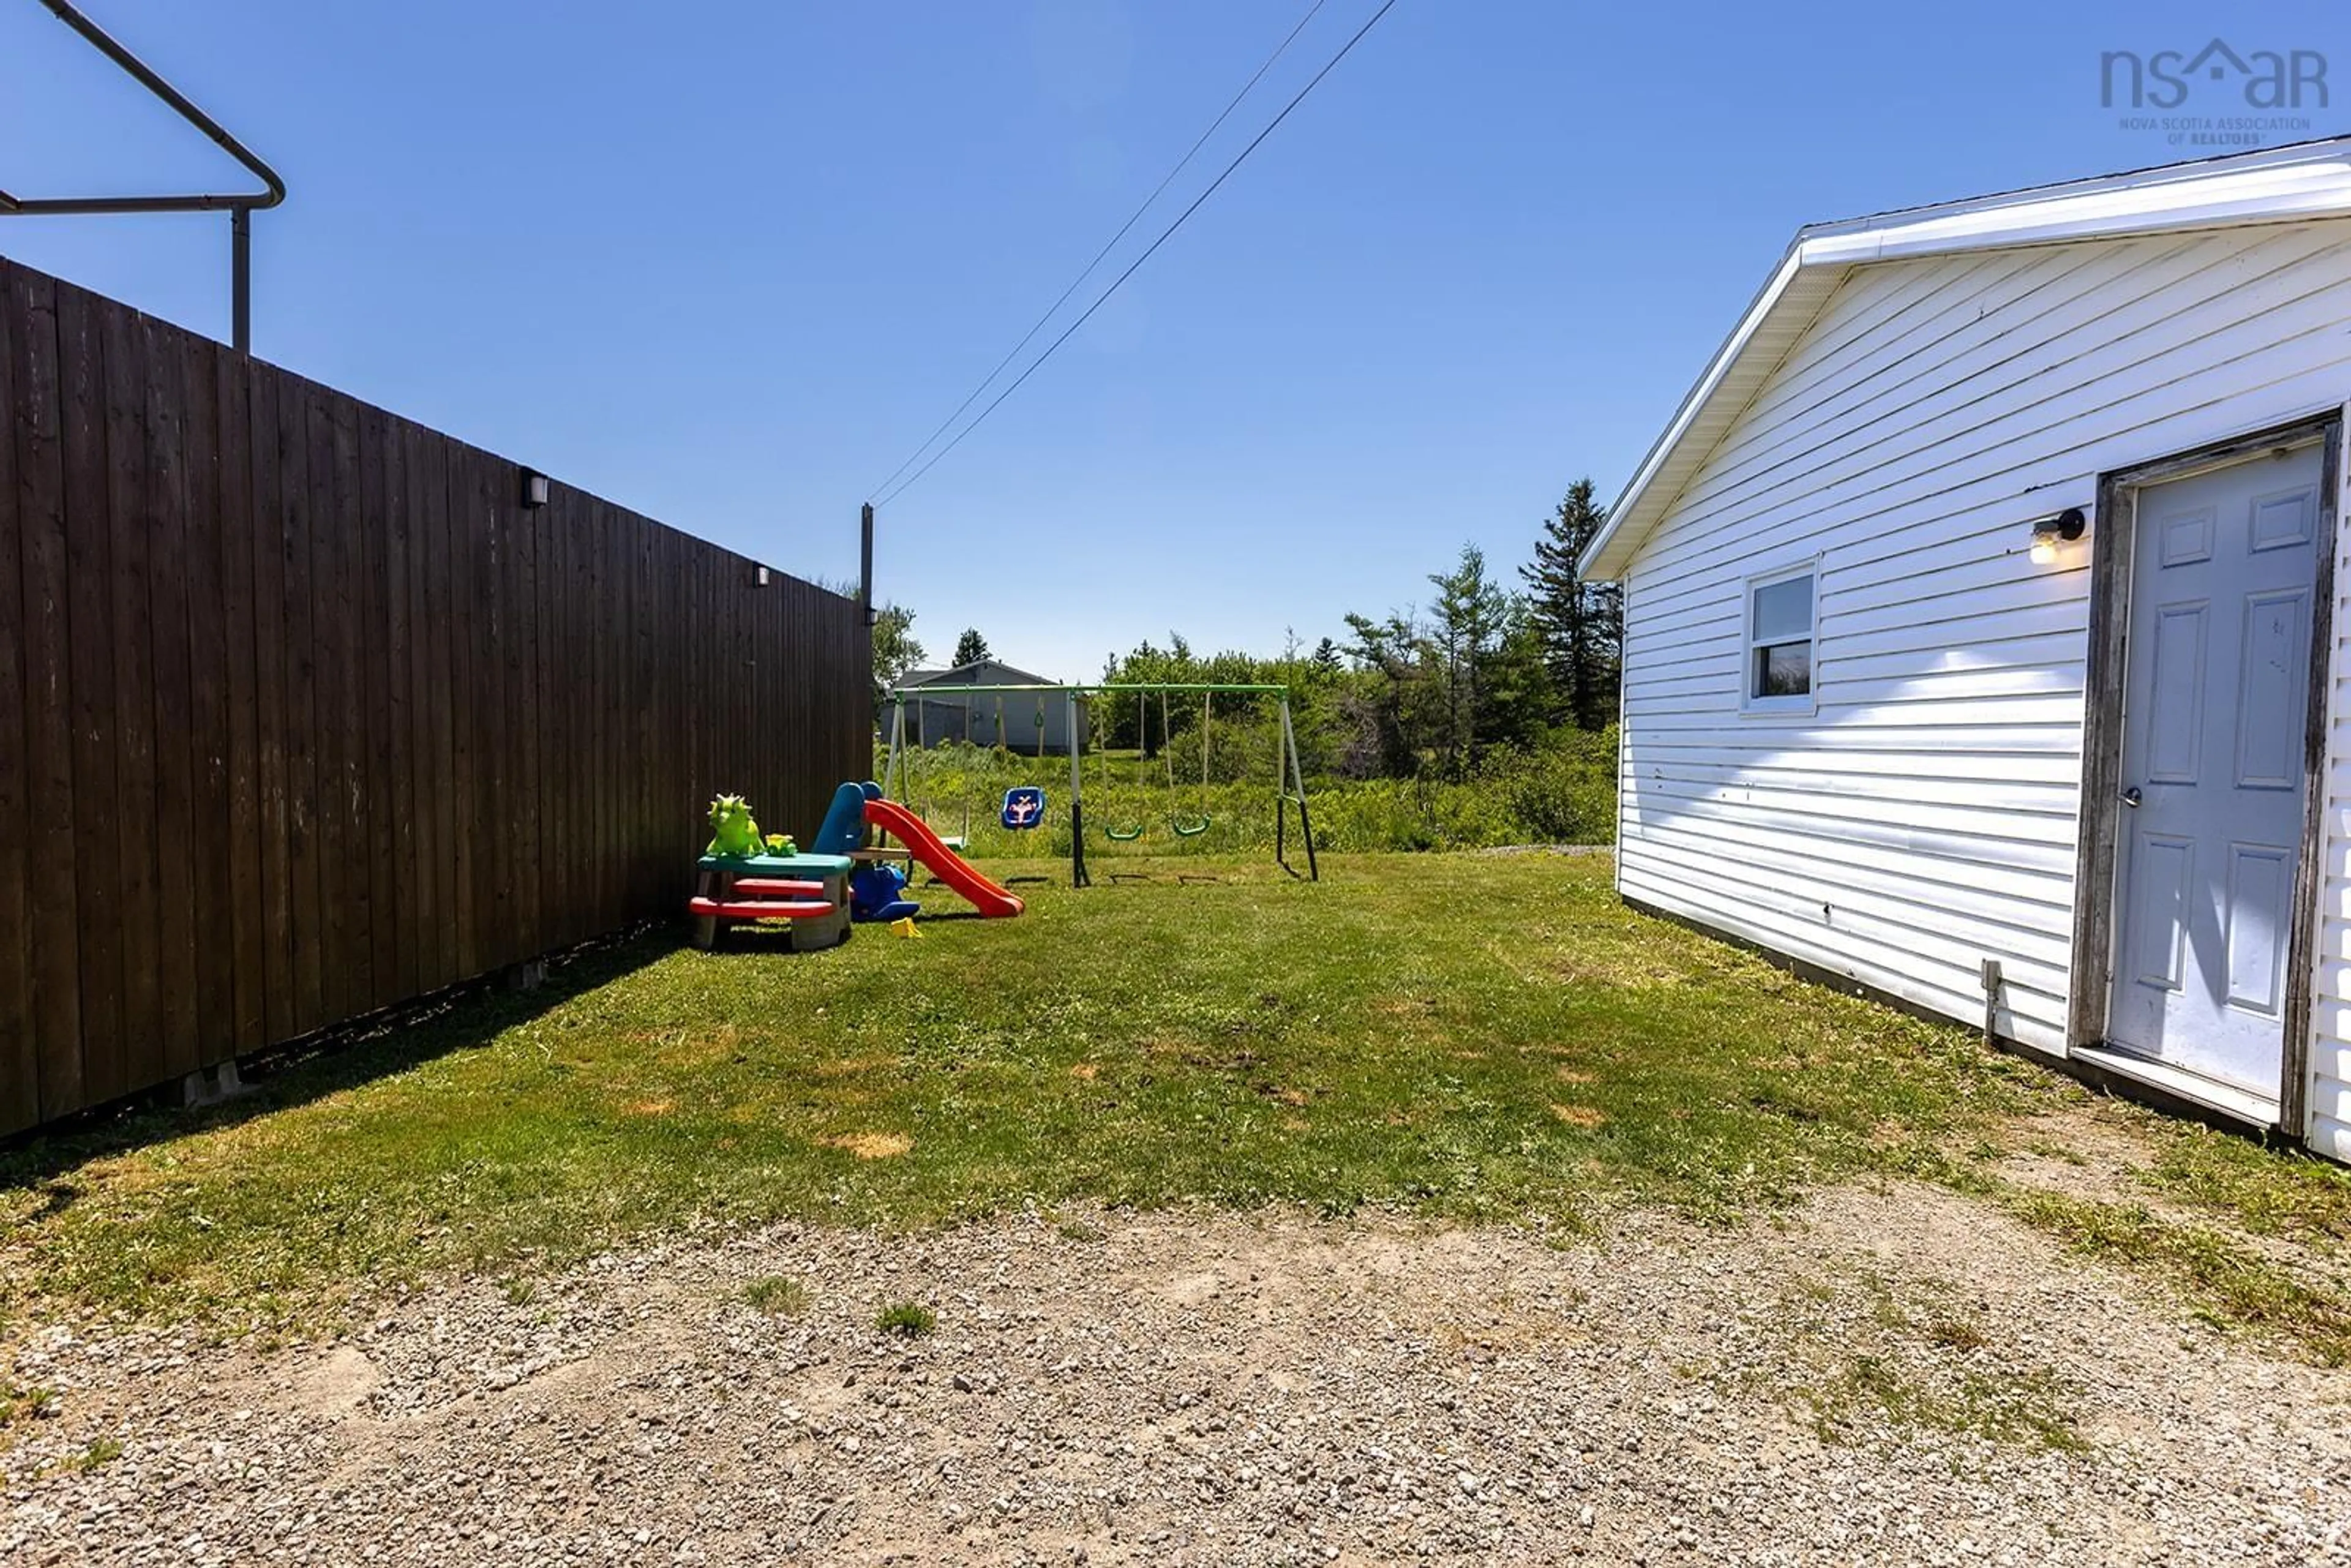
x,y
1984,641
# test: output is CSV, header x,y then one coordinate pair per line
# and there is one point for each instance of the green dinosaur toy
x,y
733,831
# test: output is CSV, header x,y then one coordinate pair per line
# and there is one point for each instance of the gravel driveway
x,y
1899,1375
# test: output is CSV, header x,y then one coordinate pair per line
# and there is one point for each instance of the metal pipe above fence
x,y
240,206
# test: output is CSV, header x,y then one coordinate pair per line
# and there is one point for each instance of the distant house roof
x,y
984,672
2309,180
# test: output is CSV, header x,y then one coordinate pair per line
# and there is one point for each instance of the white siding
x,y
1924,818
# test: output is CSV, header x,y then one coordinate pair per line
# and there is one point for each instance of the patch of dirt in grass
x,y
871,1146
2078,1151
1086,1071
1580,1115
2087,1160
1877,1373
648,1107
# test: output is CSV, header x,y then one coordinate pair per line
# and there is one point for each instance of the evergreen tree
x,y
1582,625
1514,688
971,648
1388,715
1465,627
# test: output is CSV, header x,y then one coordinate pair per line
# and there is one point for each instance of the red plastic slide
x,y
942,862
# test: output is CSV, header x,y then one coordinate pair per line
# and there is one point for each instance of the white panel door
x,y
2214,717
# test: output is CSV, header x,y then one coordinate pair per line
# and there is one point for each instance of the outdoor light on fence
x,y
2048,533
534,488
759,576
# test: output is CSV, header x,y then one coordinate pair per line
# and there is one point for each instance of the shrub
x,y
907,1320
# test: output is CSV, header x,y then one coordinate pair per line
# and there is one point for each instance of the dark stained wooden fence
x,y
303,714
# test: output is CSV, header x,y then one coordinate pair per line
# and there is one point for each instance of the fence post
x,y
865,563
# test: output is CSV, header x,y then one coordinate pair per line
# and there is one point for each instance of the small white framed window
x,y
1778,674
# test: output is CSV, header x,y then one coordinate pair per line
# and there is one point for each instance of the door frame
x,y
2112,544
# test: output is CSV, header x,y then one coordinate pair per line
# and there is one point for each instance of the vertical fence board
x,y
89,619
371,612
710,722
493,849
136,1053
554,851
677,803
394,785
439,569
330,624
521,725
632,545
421,631
560,678
20,1060
408,636
492,786
306,783
241,684
163,523
594,702
269,699
464,614
622,697
208,742
356,865
35,396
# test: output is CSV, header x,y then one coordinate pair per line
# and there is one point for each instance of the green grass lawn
x,y
1485,1036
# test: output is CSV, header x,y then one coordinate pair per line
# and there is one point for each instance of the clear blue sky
x,y
726,264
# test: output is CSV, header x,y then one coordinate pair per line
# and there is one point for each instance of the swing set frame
x,y
1290,787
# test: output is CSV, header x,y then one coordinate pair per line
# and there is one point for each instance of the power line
x,y
1133,218
1136,263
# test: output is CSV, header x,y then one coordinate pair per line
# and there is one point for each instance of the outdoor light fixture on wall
x,y
534,488
759,576
2048,533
